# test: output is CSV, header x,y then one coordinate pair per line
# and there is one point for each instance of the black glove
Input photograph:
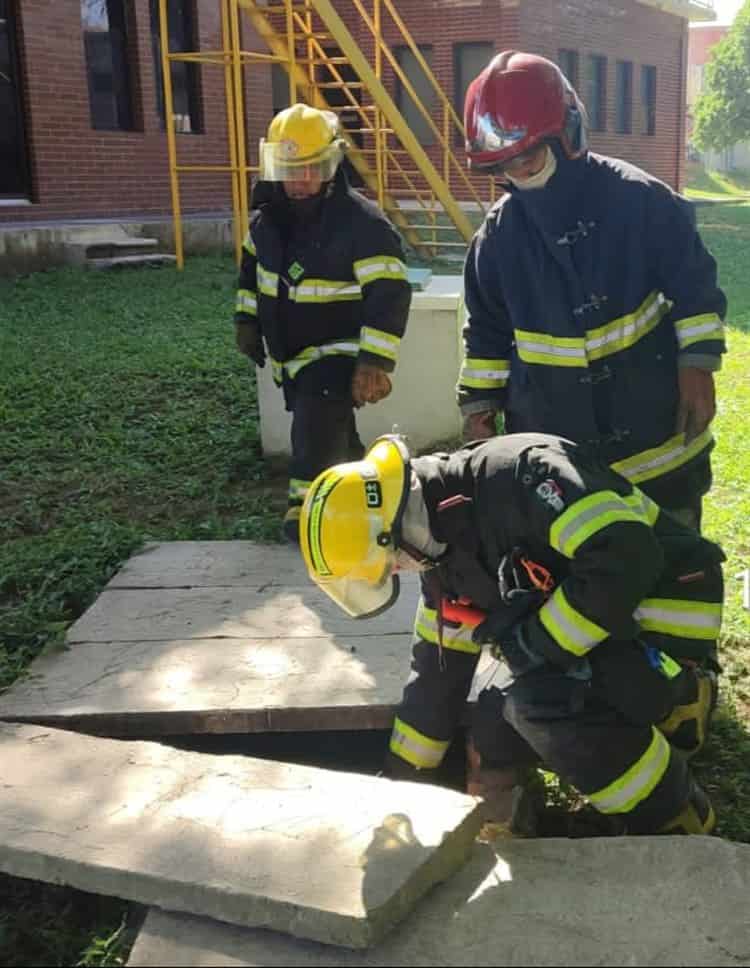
x,y
502,630
250,342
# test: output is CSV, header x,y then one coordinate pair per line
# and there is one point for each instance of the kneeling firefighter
x,y
604,610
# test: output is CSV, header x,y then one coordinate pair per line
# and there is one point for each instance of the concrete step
x,y
156,259
623,901
328,856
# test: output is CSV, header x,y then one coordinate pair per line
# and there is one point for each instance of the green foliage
x,y
722,111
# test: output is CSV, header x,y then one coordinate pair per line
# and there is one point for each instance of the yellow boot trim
x,y
698,712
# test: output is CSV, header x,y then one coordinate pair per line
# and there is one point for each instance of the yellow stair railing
x,y
415,189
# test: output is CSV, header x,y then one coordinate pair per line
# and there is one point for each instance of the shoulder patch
x,y
550,493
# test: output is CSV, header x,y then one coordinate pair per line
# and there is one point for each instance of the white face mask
x,y
542,176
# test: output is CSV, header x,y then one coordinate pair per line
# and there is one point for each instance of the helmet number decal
x,y
373,494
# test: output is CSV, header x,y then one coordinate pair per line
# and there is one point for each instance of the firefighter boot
x,y
687,725
696,817
290,525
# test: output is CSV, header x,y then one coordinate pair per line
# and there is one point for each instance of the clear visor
x,y
276,164
492,136
359,598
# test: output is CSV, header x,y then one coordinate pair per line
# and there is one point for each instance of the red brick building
x,y
81,106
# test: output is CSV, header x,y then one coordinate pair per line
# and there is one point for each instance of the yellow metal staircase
x,y
327,68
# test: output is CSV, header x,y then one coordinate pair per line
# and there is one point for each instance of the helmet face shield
x,y
280,162
349,528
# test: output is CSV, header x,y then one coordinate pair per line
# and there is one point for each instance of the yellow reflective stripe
x,y
317,506
298,488
457,639
596,511
676,616
669,667
416,748
325,290
637,783
673,453
248,245
268,282
247,302
483,374
625,331
311,353
570,629
379,267
550,350
277,370
378,341
695,329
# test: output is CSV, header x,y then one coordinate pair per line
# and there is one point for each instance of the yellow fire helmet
x,y
301,141
350,527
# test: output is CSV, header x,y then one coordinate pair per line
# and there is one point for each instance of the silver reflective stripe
x,y
373,268
615,507
573,352
621,332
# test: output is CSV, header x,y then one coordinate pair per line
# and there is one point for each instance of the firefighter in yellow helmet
x,y
322,289
599,613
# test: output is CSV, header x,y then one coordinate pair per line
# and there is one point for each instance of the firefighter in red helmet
x,y
593,307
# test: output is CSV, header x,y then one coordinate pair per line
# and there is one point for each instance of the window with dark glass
x,y
648,100
595,91
105,43
568,62
14,171
183,37
624,97
424,90
469,60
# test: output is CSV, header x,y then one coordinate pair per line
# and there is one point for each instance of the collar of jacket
x,y
448,501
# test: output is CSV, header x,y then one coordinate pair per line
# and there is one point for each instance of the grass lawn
x,y
128,416
716,184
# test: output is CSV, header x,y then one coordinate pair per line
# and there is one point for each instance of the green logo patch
x,y
296,271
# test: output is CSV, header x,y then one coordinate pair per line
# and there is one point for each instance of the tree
x,y
722,112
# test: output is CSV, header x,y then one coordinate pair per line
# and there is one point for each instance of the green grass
x,y
716,184
126,415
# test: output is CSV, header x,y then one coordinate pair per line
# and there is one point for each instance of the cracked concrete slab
x,y
658,901
334,857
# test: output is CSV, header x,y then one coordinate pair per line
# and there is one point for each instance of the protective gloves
x,y
370,383
250,342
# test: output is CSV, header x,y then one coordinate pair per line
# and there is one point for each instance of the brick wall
x,y
623,30
78,172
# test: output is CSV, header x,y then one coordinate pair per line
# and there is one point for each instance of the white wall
x,y
423,401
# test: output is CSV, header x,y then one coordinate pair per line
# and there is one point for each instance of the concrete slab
x,y
220,636
641,901
258,612
240,685
328,856
206,564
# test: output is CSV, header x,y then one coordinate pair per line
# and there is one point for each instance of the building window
x,y
422,88
14,169
624,97
105,41
469,60
648,100
185,76
568,61
596,91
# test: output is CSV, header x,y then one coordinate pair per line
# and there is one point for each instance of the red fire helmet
x,y
516,102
